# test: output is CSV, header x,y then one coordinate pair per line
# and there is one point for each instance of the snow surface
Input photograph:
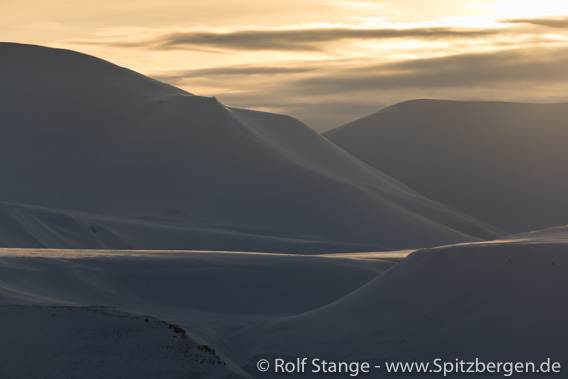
x,y
88,146
96,156
100,342
503,163
208,294
498,301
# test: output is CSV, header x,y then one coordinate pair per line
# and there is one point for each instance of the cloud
x,y
305,39
512,63
327,93
463,70
300,39
231,71
551,22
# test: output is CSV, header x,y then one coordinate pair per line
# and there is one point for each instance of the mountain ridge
x,y
125,146
500,162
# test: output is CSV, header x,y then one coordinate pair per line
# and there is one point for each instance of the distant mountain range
x,y
503,163
93,155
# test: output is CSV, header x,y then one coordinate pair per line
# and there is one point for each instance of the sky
x,y
324,62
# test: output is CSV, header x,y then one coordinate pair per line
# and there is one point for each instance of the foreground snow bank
x,y
97,342
208,294
497,302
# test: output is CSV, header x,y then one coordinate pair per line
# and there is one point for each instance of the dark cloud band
x,y
513,66
288,39
551,22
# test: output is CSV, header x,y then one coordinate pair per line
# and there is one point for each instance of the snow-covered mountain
x,y
503,163
93,155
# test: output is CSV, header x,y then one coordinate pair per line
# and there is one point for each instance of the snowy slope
x,y
100,342
208,294
502,163
501,301
497,301
36,226
81,134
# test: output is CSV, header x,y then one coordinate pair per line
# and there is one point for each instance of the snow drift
x,y
50,302
78,134
100,342
496,301
503,163
500,301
